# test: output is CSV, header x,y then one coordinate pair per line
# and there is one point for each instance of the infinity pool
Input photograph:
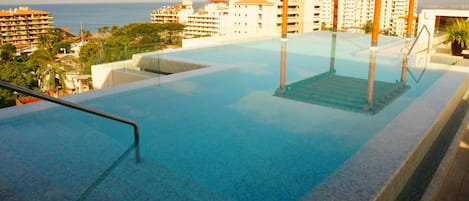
x,y
227,130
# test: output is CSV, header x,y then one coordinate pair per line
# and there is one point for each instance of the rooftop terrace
x,y
220,132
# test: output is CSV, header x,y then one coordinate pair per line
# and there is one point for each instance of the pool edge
x,y
382,167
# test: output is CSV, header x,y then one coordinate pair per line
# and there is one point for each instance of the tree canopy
x,y
117,44
43,71
7,52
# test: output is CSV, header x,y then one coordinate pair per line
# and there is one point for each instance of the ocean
x,y
95,15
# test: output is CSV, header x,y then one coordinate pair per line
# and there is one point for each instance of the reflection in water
x,y
343,92
421,62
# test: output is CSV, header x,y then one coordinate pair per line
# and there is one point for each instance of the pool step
x,y
343,92
16,176
62,162
162,183
57,155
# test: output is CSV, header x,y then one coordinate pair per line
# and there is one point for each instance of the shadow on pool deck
x,y
455,186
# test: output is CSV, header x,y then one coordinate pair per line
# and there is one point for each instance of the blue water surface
x,y
227,131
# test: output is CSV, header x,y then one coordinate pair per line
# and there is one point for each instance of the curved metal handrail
x,y
417,38
30,92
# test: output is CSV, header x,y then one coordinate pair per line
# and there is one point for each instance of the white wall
x,y
116,73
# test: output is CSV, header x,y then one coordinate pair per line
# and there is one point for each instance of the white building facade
x,y
354,14
173,14
211,20
247,17
22,26
253,17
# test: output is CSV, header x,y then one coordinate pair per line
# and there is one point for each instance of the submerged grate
x,y
342,92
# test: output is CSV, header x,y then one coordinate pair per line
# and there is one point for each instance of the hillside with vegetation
x,y
116,44
44,69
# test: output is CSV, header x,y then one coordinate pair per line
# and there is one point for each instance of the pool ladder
x,y
7,85
418,37
417,80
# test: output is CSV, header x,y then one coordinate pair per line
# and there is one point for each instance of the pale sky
x,y
28,2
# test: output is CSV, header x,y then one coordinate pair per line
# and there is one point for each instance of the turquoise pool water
x,y
227,131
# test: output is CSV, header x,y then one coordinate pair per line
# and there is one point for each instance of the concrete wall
x,y
155,63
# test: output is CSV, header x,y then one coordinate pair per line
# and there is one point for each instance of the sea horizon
x,y
91,16
96,2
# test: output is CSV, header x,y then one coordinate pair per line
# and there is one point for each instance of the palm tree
x,y
47,40
53,77
458,36
37,61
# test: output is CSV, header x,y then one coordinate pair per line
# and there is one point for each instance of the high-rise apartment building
x,y
22,26
211,20
253,17
226,17
265,16
353,14
173,14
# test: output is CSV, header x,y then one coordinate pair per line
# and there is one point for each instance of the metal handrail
x,y
30,92
104,175
417,38
416,80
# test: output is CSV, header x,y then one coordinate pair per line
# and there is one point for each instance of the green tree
x,y
323,26
18,73
122,43
89,54
48,72
85,35
367,26
7,52
38,62
60,46
52,77
47,40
